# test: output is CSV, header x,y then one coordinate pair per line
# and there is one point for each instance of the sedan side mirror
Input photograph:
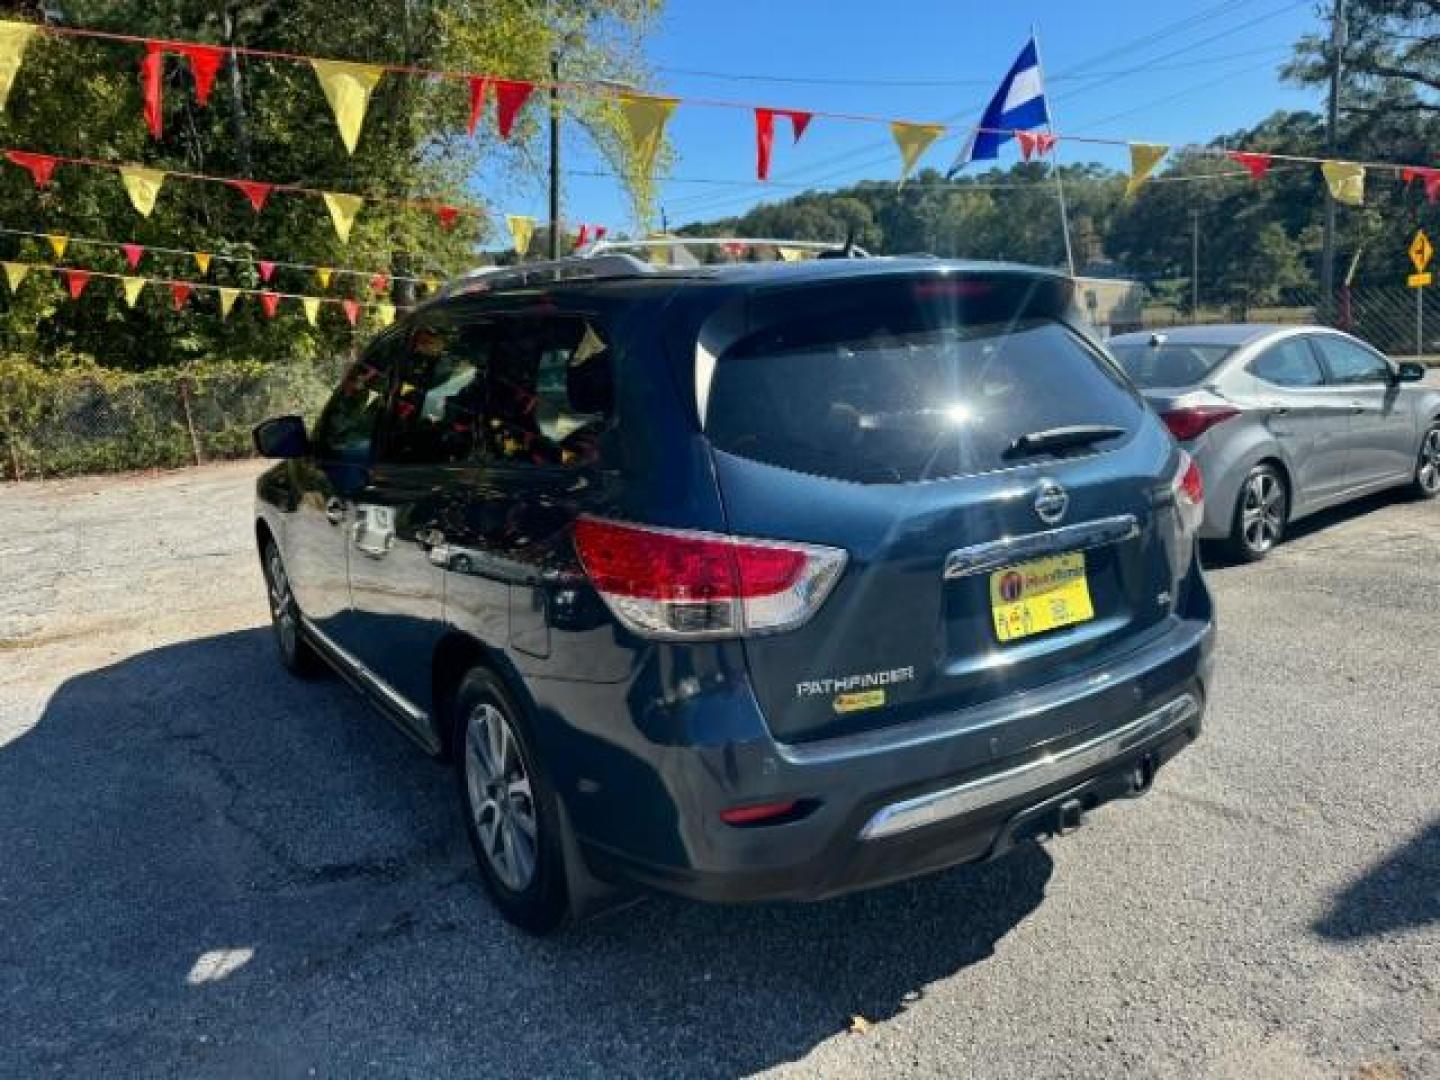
x,y
281,437
1410,371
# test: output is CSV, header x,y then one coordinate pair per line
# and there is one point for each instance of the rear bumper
x,y
883,807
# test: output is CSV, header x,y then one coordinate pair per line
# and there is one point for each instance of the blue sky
x,y
1169,72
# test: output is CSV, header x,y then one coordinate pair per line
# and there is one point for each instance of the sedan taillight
x,y
672,583
1189,488
1192,421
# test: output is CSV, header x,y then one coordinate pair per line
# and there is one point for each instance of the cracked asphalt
x,y
210,869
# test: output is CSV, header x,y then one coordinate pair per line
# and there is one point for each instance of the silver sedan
x,y
1285,421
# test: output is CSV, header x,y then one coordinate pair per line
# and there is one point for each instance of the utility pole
x,y
1195,265
1332,123
555,153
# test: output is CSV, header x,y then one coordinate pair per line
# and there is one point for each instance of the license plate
x,y
1044,594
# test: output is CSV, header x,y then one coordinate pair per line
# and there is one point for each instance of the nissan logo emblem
x,y
1051,502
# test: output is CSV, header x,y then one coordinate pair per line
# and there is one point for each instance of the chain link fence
x,y
92,420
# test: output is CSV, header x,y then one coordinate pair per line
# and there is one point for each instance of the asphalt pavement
x,y
208,868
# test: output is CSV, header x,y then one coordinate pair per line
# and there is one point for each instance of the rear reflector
x,y
679,584
757,813
1193,421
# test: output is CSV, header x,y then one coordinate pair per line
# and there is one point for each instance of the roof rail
x,y
670,243
572,268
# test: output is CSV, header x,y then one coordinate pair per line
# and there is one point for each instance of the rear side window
x,y
1169,363
908,384
1290,363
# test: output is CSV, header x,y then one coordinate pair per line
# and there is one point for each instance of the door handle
x,y
334,510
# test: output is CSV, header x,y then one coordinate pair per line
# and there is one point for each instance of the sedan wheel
x,y
499,798
1427,469
1261,514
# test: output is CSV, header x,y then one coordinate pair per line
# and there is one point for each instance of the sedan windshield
x,y
1169,363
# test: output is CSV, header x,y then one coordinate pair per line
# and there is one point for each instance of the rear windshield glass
x,y
902,388
1172,363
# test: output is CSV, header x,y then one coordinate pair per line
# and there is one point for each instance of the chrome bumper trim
x,y
994,554
1001,787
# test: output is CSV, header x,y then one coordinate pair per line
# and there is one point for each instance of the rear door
x,y
1309,420
884,418
1380,439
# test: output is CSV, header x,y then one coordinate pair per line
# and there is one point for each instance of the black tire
x,y
296,654
529,893
1262,512
1426,484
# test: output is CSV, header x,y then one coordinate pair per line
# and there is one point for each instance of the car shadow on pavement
x,y
210,867
1401,892
1215,556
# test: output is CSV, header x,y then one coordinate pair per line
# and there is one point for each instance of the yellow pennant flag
x,y
15,273
323,273
142,185
386,313
132,286
1144,157
311,304
14,36
913,140
1346,180
227,300
202,260
791,254
343,209
522,230
347,87
645,117
57,244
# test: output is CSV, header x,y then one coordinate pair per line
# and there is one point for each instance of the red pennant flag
x,y
256,191
447,216
1429,177
152,70
40,166
133,253
1035,143
179,293
269,301
510,95
379,282
205,61
582,236
76,280
1257,165
267,269
478,85
600,231
352,310
765,134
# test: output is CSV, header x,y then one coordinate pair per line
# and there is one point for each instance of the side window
x,y
346,428
437,407
1290,363
551,390
1351,363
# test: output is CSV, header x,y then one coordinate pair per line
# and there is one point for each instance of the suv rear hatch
x,y
887,416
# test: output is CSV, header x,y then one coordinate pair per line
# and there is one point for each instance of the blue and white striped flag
x,y
1018,105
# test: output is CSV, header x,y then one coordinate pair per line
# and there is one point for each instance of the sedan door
x,y
1381,435
1308,419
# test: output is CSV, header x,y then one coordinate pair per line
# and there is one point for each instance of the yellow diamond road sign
x,y
1421,252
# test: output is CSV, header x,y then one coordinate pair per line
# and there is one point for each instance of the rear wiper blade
x,y
1062,438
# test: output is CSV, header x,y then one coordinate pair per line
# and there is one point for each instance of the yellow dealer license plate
x,y
1041,595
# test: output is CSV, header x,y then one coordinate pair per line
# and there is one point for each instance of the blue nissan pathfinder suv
x,y
751,581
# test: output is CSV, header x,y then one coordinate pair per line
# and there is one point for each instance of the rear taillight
x,y
1193,421
678,584
1189,487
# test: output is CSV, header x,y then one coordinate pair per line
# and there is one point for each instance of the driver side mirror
x,y
1410,371
281,437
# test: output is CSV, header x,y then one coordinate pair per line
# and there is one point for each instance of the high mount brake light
x,y
668,583
1192,421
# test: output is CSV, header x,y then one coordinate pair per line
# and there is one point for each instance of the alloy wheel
x,y
1262,514
499,797
282,603
1427,473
